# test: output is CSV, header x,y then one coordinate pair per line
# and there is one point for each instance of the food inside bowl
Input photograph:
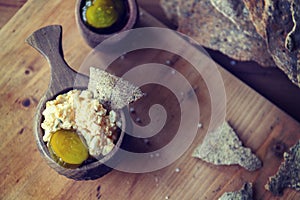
x,y
104,16
83,124
67,149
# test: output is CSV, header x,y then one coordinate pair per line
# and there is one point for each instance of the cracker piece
x,y
278,22
172,6
112,90
245,193
278,27
288,173
237,13
258,17
292,41
223,147
209,27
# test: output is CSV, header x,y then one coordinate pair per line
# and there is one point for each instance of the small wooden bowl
x,y
47,41
92,38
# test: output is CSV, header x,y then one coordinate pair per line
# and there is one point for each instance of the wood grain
x,y
25,175
271,83
8,9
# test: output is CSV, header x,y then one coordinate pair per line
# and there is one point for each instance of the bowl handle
x,y
48,42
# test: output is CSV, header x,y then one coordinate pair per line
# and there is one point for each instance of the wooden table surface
x,y
25,175
270,82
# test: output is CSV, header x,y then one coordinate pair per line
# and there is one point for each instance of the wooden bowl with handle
x,y
47,41
93,38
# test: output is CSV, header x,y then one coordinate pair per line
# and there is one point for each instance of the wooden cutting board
x,y
25,77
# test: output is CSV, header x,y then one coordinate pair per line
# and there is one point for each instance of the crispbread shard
x,y
245,193
288,173
210,28
223,147
112,90
278,21
173,10
292,40
236,12
280,39
257,15
265,31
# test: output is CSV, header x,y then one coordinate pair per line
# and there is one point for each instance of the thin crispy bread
x,y
279,26
237,13
278,21
245,193
288,173
224,25
258,17
173,10
112,90
201,21
223,147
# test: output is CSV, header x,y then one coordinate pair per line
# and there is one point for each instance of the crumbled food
x,y
59,114
288,173
78,110
223,147
245,193
91,114
95,123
